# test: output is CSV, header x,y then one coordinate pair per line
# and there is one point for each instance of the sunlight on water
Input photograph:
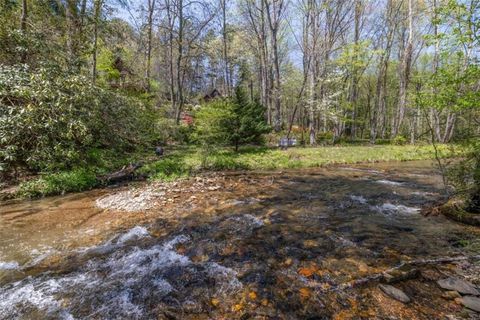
x,y
285,245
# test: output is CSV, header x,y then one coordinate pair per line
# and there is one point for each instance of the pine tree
x,y
248,123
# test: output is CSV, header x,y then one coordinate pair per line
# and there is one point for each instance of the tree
x,y
231,121
379,111
454,88
225,55
275,11
97,14
248,121
255,16
404,72
150,12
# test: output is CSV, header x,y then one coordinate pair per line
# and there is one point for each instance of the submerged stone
x,y
451,295
459,285
394,293
400,275
471,302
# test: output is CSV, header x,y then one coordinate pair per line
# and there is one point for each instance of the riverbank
x,y
185,161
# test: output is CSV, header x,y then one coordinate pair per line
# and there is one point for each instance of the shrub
x,y
465,177
50,119
324,137
167,169
213,122
58,183
399,141
232,122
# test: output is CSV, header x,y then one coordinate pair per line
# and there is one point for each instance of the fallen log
x,y
127,173
456,210
382,275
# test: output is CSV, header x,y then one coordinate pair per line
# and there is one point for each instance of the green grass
x,y
58,183
79,179
263,158
184,161
170,168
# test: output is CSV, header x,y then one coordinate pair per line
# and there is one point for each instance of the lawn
x,y
185,161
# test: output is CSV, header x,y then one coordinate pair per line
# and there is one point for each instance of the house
x,y
212,95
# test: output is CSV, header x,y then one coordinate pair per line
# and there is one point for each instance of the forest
x,y
87,83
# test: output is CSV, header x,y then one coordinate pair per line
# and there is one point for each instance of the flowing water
x,y
265,245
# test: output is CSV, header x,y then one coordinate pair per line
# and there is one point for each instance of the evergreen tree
x,y
237,121
248,125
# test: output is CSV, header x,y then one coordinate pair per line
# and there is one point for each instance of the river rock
x,y
400,275
451,295
458,285
394,293
471,302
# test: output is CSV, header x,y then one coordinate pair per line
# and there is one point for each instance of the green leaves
x,y
236,121
50,118
213,122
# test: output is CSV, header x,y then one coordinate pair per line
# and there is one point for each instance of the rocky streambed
x,y
330,243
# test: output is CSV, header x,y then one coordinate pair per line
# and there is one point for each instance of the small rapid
x,y
120,284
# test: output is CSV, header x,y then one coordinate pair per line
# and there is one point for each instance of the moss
x,y
455,209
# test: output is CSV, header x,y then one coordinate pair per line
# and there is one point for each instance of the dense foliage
x,y
52,120
237,121
248,124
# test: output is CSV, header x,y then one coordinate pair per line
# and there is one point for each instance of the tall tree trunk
x,y
151,9
171,58
277,84
354,76
226,71
311,65
180,97
379,107
449,126
97,14
404,75
378,114
434,113
274,14
73,29
83,11
23,28
256,17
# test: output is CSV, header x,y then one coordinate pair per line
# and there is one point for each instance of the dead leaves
x,y
215,302
306,272
305,293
